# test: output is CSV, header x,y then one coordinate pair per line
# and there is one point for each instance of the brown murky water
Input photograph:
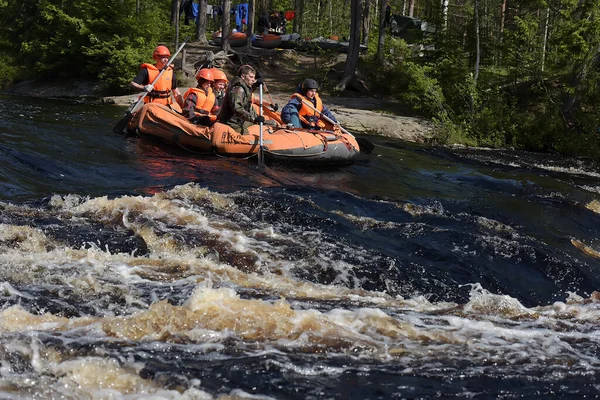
x,y
131,270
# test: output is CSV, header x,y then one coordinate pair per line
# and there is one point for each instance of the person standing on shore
x,y
162,90
263,23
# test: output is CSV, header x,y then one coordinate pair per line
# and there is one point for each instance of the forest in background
x,y
498,73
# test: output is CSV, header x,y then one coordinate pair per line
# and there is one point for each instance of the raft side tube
x,y
160,121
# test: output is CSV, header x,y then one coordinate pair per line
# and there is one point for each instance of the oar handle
x,y
160,74
273,105
325,117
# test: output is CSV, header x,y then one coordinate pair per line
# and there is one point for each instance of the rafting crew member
x,y
163,90
219,86
297,114
237,110
198,102
263,23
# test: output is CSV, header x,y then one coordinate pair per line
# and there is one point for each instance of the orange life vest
x,y
309,116
162,87
205,101
267,112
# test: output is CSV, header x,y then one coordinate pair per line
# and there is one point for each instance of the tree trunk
x,y
354,45
174,11
411,8
225,27
545,42
445,4
201,23
331,16
295,22
319,17
366,22
250,23
177,19
502,16
298,20
477,45
381,42
263,6
501,31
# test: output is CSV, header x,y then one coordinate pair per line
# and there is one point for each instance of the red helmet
x,y
161,51
206,74
218,75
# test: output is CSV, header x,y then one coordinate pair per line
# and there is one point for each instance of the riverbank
x,y
282,70
359,115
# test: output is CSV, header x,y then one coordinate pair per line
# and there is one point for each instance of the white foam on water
x,y
593,189
295,317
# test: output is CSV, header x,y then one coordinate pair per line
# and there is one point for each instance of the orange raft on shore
x,y
279,144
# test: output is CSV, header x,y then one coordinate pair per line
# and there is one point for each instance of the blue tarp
x,y
241,15
240,11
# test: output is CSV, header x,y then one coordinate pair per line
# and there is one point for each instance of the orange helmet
x,y
218,75
206,74
161,51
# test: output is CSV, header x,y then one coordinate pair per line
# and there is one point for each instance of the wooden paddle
x,y
365,146
122,124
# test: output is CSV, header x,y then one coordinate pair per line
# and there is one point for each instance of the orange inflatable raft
x,y
236,39
160,121
268,41
300,146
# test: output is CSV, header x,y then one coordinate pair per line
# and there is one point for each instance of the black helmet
x,y
309,84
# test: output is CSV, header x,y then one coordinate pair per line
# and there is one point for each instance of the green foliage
x,y
423,92
116,61
538,85
522,52
83,38
279,5
373,40
539,81
8,72
383,75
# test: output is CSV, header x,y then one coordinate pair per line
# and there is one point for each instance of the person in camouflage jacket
x,y
237,110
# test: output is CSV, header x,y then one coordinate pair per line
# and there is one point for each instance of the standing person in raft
x,y
163,90
237,110
299,115
199,101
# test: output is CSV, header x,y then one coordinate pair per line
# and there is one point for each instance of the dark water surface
x,y
131,270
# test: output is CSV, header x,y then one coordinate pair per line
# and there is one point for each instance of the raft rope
x,y
323,139
345,140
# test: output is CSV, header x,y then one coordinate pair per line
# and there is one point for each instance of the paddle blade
x,y
366,146
121,126
261,157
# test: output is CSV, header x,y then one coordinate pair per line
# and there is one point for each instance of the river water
x,y
131,270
